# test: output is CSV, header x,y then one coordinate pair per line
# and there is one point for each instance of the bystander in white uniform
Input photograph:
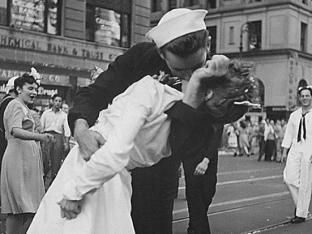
x,y
298,170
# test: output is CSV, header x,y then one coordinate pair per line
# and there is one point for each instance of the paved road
x,y
251,198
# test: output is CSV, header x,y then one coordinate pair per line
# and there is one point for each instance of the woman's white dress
x,y
232,139
136,130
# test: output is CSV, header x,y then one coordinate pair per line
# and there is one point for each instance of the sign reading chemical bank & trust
x,y
57,45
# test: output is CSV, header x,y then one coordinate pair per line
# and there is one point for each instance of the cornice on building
x,y
264,5
270,52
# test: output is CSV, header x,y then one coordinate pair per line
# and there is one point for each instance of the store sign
x,y
48,79
75,48
41,91
276,108
47,92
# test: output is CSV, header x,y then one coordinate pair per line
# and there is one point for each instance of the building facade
x,y
273,34
64,39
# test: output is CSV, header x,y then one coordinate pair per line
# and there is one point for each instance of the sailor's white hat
x,y
176,23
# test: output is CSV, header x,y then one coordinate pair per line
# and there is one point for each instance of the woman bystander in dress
x,y
22,185
243,138
232,139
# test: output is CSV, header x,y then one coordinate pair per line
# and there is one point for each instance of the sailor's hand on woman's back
x,y
89,141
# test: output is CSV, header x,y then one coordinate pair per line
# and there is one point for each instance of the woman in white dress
x,y
136,130
232,139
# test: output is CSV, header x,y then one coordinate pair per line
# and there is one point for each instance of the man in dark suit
x,y
201,177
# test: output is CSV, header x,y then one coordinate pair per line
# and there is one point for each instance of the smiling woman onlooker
x,y
22,185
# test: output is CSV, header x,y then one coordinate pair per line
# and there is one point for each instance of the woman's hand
x,y
195,92
69,208
216,67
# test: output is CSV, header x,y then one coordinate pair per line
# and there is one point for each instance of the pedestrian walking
x,y
298,169
254,142
54,121
232,139
278,141
261,139
244,138
269,138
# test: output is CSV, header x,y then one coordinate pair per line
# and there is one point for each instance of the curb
x,y
273,226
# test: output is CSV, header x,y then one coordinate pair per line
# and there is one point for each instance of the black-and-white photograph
x,y
155,116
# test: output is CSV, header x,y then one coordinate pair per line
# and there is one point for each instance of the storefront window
x,y
188,3
36,15
3,12
53,17
254,35
213,43
125,33
107,26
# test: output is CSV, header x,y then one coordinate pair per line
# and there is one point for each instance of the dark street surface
x,y
251,198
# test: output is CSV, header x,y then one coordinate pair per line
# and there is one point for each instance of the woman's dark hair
x,y
187,44
22,80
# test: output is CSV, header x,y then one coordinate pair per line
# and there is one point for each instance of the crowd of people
x,y
264,138
161,103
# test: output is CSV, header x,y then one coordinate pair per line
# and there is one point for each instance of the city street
x,y
251,198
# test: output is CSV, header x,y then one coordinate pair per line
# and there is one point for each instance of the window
x,y
3,12
107,26
35,15
53,16
254,35
231,35
303,37
188,3
213,42
155,5
211,4
172,4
